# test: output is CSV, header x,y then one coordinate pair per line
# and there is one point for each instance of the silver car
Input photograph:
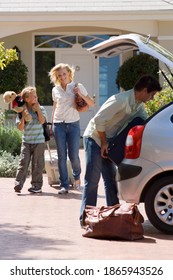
x,y
146,172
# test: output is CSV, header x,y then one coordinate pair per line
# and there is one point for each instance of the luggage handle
x,y
111,210
49,152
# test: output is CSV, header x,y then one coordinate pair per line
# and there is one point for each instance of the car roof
x,y
116,45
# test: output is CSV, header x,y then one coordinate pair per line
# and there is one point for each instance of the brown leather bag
x,y
81,105
113,222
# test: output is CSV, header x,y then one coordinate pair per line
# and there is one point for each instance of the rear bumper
x,y
133,176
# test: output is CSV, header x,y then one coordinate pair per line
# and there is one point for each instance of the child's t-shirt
x,y
33,130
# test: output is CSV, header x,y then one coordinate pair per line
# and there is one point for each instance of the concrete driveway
x,y
46,227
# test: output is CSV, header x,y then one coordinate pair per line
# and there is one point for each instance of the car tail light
x,y
133,142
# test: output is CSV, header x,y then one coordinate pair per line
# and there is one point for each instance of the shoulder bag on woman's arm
x,y
81,105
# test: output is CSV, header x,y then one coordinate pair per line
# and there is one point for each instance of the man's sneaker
x,y
76,185
62,191
17,189
35,190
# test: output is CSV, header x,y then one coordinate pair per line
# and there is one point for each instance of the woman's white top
x,y
65,110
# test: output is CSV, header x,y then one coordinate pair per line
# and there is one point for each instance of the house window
x,y
62,41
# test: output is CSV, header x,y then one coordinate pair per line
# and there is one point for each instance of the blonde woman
x,y
65,120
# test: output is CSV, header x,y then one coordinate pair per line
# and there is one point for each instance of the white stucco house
x,y
49,32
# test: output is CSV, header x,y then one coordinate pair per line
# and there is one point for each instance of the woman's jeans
x,y
95,167
67,138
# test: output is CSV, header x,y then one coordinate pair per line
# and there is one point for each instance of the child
x,y
33,143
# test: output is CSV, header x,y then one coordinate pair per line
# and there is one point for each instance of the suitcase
x,y
51,168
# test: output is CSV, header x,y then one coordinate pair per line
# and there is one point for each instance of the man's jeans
x,y
67,138
95,167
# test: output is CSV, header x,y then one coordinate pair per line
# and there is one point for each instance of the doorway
x,y
84,65
97,74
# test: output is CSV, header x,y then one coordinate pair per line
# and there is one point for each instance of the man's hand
x,y
104,150
104,144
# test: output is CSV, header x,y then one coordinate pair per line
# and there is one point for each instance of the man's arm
x,y
104,144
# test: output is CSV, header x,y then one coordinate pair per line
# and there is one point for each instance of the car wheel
x,y
159,204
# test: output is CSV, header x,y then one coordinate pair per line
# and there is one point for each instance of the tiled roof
x,y
84,5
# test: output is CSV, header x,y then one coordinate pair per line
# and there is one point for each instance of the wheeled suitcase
x,y
51,168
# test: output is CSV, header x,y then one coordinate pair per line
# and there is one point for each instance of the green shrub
x,y
6,56
133,68
13,76
160,99
8,164
10,139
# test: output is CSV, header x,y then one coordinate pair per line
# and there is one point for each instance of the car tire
x,y
159,204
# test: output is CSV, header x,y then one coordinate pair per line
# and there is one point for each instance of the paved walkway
x,y
46,227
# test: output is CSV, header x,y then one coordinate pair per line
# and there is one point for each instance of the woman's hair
x,y
53,72
26,92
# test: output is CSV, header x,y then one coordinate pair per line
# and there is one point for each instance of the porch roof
x,y
84,6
